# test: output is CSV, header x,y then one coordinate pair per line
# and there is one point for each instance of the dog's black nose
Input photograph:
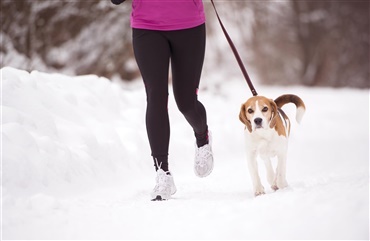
x,y
258,121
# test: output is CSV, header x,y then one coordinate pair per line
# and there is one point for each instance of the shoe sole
x,y
158,198
207,174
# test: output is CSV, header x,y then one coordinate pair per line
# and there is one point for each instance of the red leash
x,y
240,62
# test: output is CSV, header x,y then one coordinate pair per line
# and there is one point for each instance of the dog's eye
x,y
250,111
265,109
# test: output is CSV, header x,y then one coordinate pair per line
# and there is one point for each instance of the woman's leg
x,y
187,56
152,54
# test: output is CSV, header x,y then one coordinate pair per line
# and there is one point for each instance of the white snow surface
x,y
76,164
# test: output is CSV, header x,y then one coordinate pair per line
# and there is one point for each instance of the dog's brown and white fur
x,y
266,133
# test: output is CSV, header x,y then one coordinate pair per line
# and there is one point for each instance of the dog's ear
x,y
274,114
243,118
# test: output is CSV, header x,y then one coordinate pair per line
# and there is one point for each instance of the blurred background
x,y
310,43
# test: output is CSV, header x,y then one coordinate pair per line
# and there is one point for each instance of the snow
x,y
76,164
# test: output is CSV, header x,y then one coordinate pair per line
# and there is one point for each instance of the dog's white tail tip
x,y
300,112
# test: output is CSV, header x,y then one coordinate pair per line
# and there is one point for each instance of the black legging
x,y
154,50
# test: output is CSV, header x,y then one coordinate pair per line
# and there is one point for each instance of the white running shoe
x,y
165,186
203,163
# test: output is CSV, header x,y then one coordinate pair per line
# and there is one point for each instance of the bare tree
x,y
76,37
314,43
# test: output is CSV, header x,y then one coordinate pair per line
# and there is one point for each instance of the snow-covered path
x,y
76,165
214,209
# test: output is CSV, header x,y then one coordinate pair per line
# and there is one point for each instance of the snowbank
x,y
60,130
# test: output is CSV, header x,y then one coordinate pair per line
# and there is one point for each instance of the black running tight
x,y
154,52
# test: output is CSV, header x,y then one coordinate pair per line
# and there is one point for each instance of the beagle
x,y
267,130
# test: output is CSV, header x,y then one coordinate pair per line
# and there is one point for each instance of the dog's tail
x,y
285,99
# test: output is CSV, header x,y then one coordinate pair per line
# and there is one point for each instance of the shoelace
x,y
203,154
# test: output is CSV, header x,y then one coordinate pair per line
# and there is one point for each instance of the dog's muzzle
x,y
258,122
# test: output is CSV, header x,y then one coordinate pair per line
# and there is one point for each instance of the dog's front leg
x,y
269,171
280,178
253,170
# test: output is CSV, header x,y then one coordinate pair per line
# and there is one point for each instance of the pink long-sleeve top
x,y
167,15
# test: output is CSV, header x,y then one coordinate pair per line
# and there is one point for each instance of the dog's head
x,y
258,112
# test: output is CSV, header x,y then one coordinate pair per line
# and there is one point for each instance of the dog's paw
x,y
259,191
256,194
274,187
